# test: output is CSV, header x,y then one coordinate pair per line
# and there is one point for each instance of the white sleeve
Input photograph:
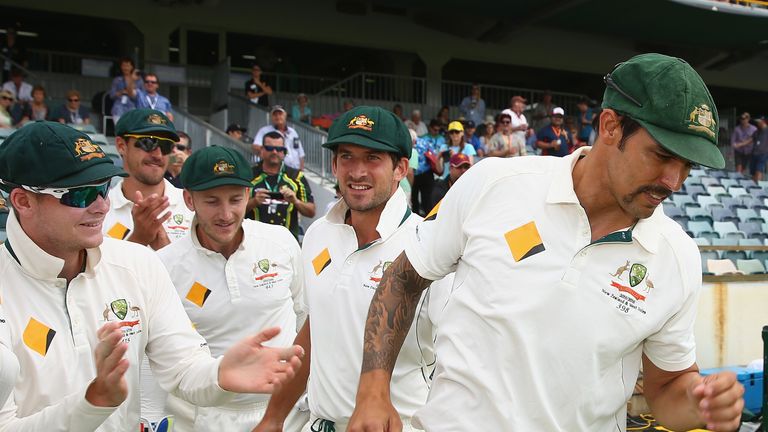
x,y
259,137
673,348
436,244
297,284
73,413
178,355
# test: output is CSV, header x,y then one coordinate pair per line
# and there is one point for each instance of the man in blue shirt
x,y
150,98
555,140
470,137
429,148
473,106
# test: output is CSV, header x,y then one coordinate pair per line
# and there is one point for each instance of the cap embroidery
x,y
156,119
701,120
86,150
361,122
223,167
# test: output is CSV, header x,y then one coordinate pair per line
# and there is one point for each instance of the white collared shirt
x,y
119,223
516,121
545,329
53,330
292,143
341,280
261,285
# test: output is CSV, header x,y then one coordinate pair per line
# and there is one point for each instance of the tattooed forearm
x,y
391,314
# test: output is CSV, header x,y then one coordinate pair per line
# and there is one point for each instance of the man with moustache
x,y
247,271
344,254
146,208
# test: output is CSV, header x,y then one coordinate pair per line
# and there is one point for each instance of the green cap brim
x,y
363,142
165,133
222,181
693,148
89,176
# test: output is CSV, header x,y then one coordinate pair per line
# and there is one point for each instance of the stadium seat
x,y
709,181
715,190
698,227
701,241
682,220
710,235
735,175
706,200
724,242
721,267
747,183
694,190
763,183
734,237
762,256
750,266
750,242
731,203
746,214
726,182
680,199
723,214
717,174
723,228
697,172
705,257
673,211
762,236
749,227
737,191
757,192
734,255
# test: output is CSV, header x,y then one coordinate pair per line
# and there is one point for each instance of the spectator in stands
x,y
348,105
150,98
295,156
459,164
584,120
6,100
444,117
485,131
21,89
540,116
256,89
72,112
741,141
416,124
125,89
472,107
760,152
430,149
13,53
503,143
301,112
179,154
458,143
555,140
280,192
471,138
519,122
38,106
236,131
530,141
21,112
398,111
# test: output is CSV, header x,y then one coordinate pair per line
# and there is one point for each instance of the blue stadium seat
x,y
763,183
735,175
723,214
731,203
726,182
682,220
697,172
705,257
750,242
709,235
709,181
717,174
734,255
706,200
715,190
672,210
698,227
745,214
750,266
737,191
680,199
747,183
694,190
749,227
760,255
701,241
761,236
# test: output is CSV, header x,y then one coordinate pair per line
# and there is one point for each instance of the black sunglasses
x,y
150,82
7,98
149,143
181,147
270,148
505,122
74,100
612,84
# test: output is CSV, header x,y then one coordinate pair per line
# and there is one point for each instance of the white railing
x,y
203,134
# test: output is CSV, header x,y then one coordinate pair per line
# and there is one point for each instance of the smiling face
x,y
146,167
367,177
219,213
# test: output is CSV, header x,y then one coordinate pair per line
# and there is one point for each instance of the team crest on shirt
x,y
128,314
630,287
265,274
361,122
86,150
375,275
701,119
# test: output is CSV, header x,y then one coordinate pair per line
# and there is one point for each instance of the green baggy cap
x,y
372,127
670,100
145,121
215,166
51,154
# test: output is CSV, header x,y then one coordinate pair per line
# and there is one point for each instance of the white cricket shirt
x,y
119,223
545,330
53,334
259,286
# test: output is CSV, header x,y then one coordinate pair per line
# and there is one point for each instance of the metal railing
x,y
203,134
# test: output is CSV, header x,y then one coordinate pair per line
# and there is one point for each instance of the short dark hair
x,y
272,135
394,156
127,60
435,123
148,74
183,134
629,127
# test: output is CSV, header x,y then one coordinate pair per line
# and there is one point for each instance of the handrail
x,y
204,133
26,71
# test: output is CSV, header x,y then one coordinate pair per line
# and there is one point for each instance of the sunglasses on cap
x,y
149,143
609,82
270,149
77,197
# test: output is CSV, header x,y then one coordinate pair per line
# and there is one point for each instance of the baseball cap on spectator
x,y
460,159
518,98
558,111
507,112
276,108
146,121
235,127
455,125
371,127
51,154
469,124
215,166
671,102
7,95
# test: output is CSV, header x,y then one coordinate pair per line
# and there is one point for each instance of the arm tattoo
x,y
391,313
